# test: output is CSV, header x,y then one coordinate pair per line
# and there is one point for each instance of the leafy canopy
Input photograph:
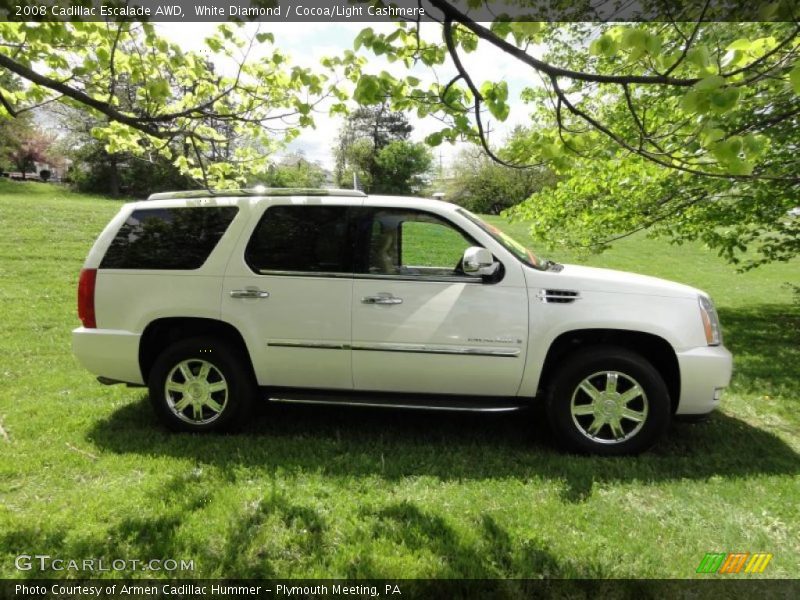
x,y
216,124
686,129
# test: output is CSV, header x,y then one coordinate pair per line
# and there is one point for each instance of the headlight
x,y
710,321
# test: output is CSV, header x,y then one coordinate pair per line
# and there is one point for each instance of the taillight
x,y
86,297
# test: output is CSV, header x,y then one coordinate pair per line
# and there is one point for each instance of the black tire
x,y
617,371
228,385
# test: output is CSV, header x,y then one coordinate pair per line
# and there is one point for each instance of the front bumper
x,y
705,371
108,353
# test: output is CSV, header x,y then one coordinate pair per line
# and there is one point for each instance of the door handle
x,y
382,299
249,293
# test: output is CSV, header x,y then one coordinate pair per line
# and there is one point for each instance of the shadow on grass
x,y
393,444
765,341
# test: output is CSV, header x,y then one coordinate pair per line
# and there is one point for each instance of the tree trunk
x,y
113,177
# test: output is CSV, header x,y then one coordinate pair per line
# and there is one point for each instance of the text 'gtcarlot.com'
x,y
45,562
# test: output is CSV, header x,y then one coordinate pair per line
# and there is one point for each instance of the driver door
x,y
420,325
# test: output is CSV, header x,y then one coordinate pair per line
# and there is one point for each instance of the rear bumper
x,y
108,353
705,372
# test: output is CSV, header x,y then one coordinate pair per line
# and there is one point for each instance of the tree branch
x,y
454,15
476,94
100,106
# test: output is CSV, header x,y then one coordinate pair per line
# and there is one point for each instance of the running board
x,y
445,403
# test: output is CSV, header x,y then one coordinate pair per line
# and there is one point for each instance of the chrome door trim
x,y
312,345
409,348
419,278
434,349
321,274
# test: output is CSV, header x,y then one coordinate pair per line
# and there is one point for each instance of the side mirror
x,y
478,262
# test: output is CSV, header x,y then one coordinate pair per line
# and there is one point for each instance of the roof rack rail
x,y
256,191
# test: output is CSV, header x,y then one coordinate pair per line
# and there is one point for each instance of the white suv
x,y
328,296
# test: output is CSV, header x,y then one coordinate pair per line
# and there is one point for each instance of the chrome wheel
x,y
196,391
609,407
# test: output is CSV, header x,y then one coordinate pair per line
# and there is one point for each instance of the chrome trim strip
x,y
305,274
430,349
372,276
429,278
491,409
412,348
312,345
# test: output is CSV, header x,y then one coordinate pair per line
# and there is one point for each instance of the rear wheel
x,y
608,400
201,384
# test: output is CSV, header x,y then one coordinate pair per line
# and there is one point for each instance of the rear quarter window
x,y
168,238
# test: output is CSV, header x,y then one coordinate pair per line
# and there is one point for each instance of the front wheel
x,y
201,384
609,401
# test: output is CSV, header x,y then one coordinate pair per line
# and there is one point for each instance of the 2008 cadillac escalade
x,y
213,300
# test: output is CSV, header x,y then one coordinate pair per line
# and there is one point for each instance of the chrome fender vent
x,y
558,296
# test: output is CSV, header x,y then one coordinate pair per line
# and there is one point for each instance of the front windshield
x,y
521,252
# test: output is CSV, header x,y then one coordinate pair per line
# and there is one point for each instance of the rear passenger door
x,y
288,290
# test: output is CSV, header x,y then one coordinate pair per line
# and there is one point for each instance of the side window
x,y
308,239
414,243
431,245
168,238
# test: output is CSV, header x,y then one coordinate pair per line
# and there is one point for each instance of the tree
x,y
688,129
367,130
123,174
12,134
482,185
401,167
293,171
28,146
181,102
96,170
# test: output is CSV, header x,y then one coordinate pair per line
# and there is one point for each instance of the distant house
x,y
58,169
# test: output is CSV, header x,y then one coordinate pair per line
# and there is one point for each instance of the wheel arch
x,y
166,331
658,351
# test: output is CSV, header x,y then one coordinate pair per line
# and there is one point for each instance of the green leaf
x,y
525,30
724,99
754,144
653,44
158,89
368,90
634,39
605,45
794,77
501,26
712,135
501,91
710,82
740,44
214,44
434,139
265,37
695,101
740,167
499,110
698,56
364,38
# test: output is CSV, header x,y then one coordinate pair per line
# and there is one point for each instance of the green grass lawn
x,y
86,471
